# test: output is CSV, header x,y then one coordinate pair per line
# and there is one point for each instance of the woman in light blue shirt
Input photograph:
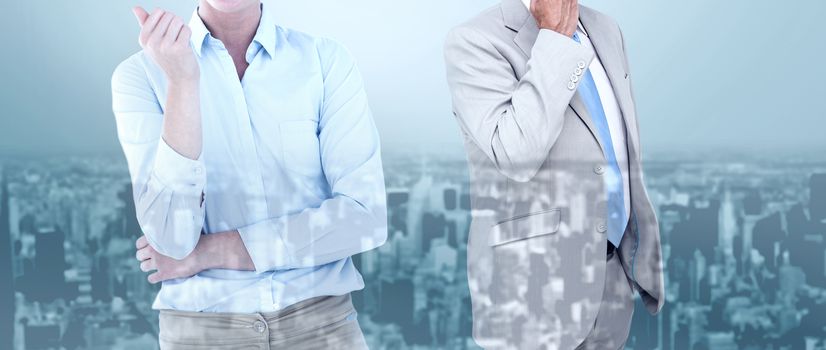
x,y
257,174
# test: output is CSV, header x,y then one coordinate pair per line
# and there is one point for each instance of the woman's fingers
x,y
141,242
184,35
155,277
172,32
140,14
143,254
149,25
160,29
148,265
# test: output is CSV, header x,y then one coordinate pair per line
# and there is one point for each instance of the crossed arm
x,y
169,183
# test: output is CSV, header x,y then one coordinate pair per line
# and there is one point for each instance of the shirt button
x,y
601,228
197,170
259,326
599,170
581,65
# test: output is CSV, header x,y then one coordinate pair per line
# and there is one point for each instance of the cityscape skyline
x,y
80,209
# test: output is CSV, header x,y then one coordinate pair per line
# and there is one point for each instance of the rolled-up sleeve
x,y
354,219
168,188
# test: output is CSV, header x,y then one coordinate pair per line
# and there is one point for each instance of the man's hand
x,y
165,37
167,268
560,16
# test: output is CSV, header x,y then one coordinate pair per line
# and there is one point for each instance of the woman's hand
x,y
167,268
165,37
224,250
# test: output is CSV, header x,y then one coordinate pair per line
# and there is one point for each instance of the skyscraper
x,y
817,197
49,264
6,277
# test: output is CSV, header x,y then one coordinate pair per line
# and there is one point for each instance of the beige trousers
x,y
319,323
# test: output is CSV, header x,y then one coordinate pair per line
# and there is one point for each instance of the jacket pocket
x,y
524,227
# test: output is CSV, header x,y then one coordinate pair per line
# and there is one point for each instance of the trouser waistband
x,y
294,319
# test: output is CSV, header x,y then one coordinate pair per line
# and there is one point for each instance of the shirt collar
x,y
264,35
199,32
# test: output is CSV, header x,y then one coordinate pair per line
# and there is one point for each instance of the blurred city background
x,y
743,242
726,111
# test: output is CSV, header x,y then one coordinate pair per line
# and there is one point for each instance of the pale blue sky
x,y
741,75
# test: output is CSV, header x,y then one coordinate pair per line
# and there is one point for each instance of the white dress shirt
x,y
290,159
614,115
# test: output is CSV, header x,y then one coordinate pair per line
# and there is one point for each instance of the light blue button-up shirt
x,y
290,159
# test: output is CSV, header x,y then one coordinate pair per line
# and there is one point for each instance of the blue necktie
x,y
613,176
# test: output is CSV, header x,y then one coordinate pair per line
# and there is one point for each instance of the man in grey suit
x,y
563,231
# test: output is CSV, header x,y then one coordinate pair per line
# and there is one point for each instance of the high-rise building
x,y
6,276
451,198
130,228
49,264
817,197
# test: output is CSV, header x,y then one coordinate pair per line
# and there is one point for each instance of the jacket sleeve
x,y
167,186
514,121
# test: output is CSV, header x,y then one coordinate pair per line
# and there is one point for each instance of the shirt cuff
x,y
265,245
178,172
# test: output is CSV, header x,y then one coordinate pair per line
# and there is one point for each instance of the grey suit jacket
x,y
537,242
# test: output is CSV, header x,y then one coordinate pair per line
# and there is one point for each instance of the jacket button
x,y
571,86
601,228
599,170
581,65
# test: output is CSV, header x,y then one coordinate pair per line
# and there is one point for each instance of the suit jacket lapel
x,y
609,51
519,19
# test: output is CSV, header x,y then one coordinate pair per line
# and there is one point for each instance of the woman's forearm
x,y
182,118
224,250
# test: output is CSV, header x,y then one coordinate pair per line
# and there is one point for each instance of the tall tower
x,y
817,197
6,276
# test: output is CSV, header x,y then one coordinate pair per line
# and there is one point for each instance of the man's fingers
x,y
574,15
565,15
148,265
140,14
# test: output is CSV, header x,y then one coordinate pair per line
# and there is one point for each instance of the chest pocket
x,y
300,147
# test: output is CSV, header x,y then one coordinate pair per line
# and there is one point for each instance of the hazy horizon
x,y
709,76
